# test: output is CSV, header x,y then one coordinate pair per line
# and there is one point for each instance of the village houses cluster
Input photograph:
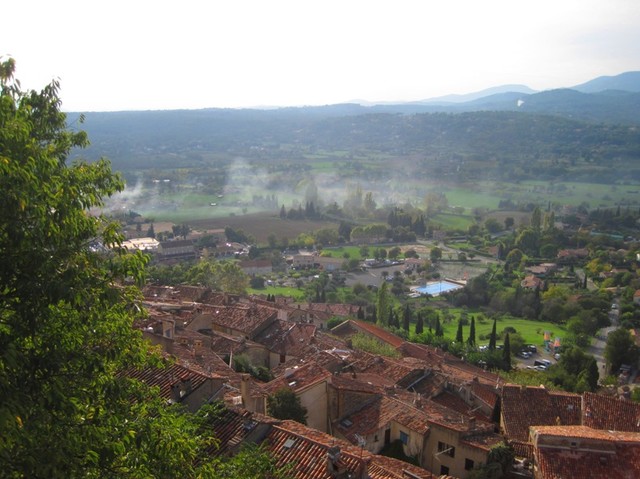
x,y
446,413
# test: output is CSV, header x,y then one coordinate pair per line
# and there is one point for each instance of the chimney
x,y
168,328
197,348
244,389
334,468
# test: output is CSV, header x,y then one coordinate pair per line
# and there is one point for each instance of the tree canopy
x,y
284,404
68,299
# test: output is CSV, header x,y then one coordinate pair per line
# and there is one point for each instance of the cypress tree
x,y
406,320
393,318
506,353
472,332
459,332
382,304
419,324
492,337
439,331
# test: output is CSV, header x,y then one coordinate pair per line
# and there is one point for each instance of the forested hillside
x,y
487,145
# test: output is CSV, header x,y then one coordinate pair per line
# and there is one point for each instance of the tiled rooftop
x,y
333,309
456,403
394,369
523,407
191,294
292,339
171,376
605,412
248,319
361,383
582,452
307,450
298,378
378,414
304,449
382,467
352,326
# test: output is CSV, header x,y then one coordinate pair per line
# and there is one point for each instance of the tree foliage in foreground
x,y
66,315
284,404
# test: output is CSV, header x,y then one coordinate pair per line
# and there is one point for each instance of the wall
x,y
455,464
315,400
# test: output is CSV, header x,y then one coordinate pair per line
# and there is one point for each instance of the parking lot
x,y
541,355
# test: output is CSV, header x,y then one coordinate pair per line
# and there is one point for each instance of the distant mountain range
x,y
510,118
608,99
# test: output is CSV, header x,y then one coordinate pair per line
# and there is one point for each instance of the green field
x,y
458,222
352,251
531,331
295,293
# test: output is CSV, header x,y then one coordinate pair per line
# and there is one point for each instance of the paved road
x,y
372,276
597,348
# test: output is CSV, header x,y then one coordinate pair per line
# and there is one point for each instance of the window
x,y
404,437
444,471
447,449
468,464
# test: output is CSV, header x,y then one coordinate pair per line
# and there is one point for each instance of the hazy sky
x,y
139,54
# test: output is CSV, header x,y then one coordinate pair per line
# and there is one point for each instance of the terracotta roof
x,y
579,451
292,339
298,378
456,403
247,319
175,381
352,326
577,253
486,393
303,449
523,407
531,282
484,440
306,450
180,293
450,364
334,309
382,467
446,417
232,426
360,383
395,370
195,350
522,449
605,412
224,344
378,414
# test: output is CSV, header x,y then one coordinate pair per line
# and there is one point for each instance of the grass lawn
x,y
531,331
353,251
295,293
458,222
472,197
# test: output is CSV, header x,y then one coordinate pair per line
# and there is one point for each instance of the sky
x,y
190,54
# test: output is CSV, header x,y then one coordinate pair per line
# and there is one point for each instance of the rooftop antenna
x,y
361,442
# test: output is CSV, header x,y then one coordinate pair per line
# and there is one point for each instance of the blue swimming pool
x,y
438,287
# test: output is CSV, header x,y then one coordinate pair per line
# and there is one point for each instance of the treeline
x,y
507,145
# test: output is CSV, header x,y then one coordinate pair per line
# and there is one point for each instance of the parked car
x,y
531,348
524,354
